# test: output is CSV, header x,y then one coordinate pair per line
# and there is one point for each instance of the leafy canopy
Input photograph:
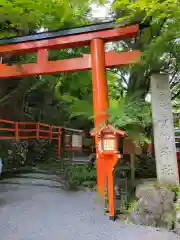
x,y
26,15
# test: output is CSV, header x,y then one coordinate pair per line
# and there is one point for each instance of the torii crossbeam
x,y
81,36
98,60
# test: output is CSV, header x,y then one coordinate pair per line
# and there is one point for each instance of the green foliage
x,y
13,154
77,94
33,14
77,174
116,84
174,188
156,8
42,94
159,42
131,115
131,205
64,97
37,97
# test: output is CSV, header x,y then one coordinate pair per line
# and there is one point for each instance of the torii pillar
x,y
100,99
164,139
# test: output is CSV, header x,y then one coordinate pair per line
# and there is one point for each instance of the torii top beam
x,y
61,39
68,38
59,33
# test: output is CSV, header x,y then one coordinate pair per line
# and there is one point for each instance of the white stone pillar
x,y
163,127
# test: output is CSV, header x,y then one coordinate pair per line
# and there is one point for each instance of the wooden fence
x,y
30,130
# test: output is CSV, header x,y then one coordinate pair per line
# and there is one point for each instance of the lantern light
x,y
108,143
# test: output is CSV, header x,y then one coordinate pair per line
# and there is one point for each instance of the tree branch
x,y
175,95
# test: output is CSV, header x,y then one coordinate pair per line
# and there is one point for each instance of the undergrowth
x,y
76,175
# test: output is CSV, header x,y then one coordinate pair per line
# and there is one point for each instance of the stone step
x,y
51,177
80,160
30,180
48,172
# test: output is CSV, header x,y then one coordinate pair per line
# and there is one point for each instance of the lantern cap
x,y
109,127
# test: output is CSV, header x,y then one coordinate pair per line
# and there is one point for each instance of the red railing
x,y
30,130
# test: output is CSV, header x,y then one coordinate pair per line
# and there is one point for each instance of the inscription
x,y
167,170
163,130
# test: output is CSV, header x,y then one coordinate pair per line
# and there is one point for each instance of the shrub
x,y
77,174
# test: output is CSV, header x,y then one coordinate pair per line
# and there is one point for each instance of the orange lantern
x,y
107,144
108,139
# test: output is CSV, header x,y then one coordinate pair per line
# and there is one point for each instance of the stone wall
x,y
155,206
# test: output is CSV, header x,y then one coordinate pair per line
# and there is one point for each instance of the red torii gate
x,y
98,60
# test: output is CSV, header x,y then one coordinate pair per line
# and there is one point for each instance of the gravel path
x,y
43,213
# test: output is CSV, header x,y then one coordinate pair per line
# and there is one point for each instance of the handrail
x,y
7,121
25,131
34,130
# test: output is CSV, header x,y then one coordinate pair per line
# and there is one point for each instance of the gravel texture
x,y
44,213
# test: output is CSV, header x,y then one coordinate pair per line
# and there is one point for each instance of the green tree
x,y
158,40
24,16
35,98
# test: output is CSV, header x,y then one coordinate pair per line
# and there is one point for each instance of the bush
x,y
77,174
13,153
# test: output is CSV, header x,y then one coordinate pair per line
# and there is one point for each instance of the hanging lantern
x,y
108,139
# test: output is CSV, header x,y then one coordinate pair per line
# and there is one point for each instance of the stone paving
x,y
43,213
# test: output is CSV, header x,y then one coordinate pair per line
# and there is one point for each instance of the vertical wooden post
x,y
37,130
42,56
132,163
111,195
100,99
59,143
16,130
50,133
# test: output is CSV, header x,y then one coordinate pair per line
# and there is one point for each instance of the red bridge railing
x,y
30,130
